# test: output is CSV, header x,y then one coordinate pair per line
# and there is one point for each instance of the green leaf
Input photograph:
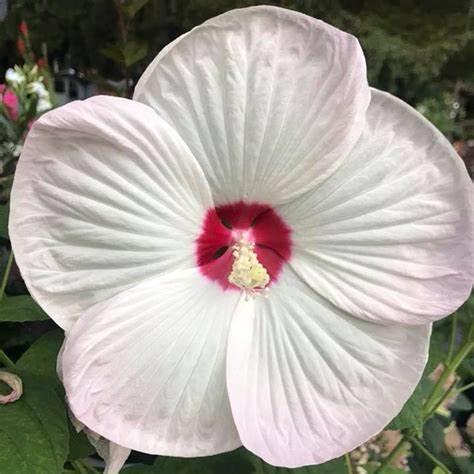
x,y
132,7
337,466
464,465
113,52
438,347
127,54
19,309
411,415
133,51
40,358
79,446
239,461
386,470
139,469
462,403
34,437
466,314
4,211
235,462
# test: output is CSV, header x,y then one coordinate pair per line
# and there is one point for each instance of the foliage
x,y
25,95
442,110
409,44
34,431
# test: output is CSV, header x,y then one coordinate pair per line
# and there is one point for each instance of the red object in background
x,y
20,45
41,62
10,101
23,28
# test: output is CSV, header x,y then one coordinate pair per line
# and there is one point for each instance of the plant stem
x,y
6,275
6,361
392,455
466,387
452,339
450,368
445,395
347,458
437,462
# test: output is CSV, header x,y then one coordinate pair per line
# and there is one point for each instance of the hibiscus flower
x,y
249,252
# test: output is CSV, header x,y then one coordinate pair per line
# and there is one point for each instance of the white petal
x,y
308,383
268,100
146,369
389,236
105,195
113,454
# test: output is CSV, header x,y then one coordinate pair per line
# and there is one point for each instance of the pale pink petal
x,y
105,195
308,382
113,454
146,369
269,100
389,236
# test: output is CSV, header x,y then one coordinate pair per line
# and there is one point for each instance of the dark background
x,y
417,50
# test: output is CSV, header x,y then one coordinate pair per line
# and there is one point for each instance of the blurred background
x,y
55,51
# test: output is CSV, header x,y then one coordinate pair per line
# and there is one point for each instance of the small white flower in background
x,y
349,210
16,385
38,88
16,149
14,76
43,105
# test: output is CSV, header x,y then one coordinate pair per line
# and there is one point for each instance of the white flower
x,y
16,149
254,146
14,76
43,105
39,89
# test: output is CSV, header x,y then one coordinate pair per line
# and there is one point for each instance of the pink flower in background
x,y
10,101
254,159
23,28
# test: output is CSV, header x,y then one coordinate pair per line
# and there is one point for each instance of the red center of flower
x,y
224,226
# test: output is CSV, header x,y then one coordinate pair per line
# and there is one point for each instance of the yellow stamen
x,y
247,272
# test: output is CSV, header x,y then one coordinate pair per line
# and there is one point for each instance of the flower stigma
x,y
247,272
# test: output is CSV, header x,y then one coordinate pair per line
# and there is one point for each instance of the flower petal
x,y
114,455
105,195
268,100
307,382
389,236
146,369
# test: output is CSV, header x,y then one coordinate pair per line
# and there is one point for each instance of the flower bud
x,y
23,28
15,383
20,46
